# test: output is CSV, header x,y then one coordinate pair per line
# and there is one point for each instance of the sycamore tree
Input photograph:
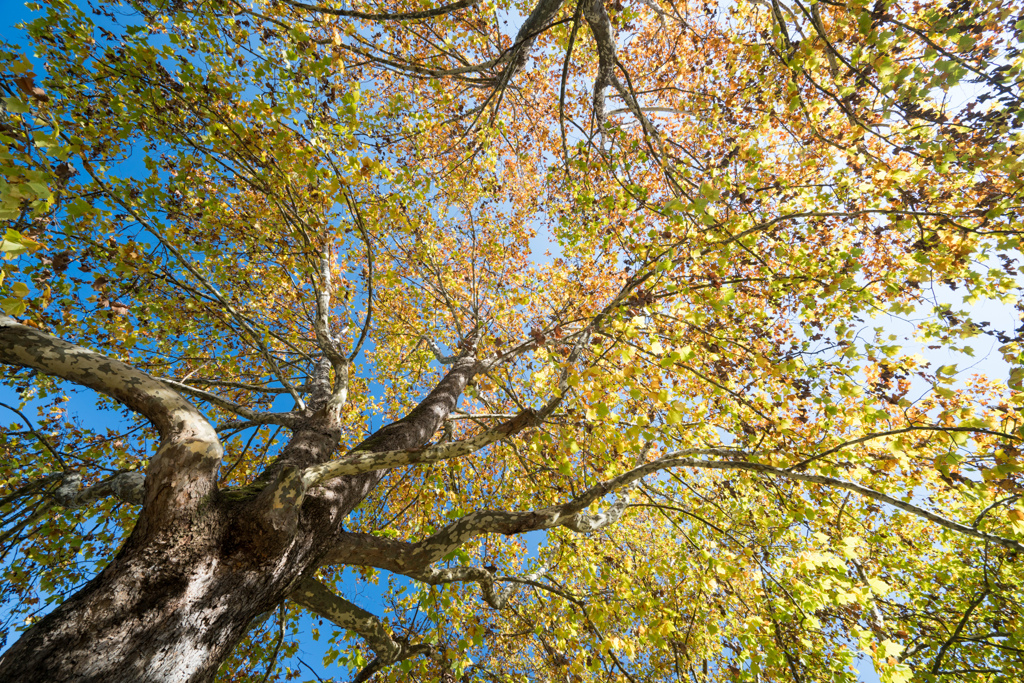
x,y
719,298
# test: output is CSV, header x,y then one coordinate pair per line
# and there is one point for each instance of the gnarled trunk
x,y
153,614
183,590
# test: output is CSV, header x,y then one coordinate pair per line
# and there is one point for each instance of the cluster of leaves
x,y
806,205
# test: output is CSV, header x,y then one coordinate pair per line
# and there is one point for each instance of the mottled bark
x,y
542,15
172,605
181,475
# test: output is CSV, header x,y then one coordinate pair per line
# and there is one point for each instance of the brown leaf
x,y
26,83
61,261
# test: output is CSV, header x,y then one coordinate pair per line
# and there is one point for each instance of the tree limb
x,y
182,471
495,596
385,16
358,462
253,416
317,598
415,557
128,487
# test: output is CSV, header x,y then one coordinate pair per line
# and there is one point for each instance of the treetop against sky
x,y
761,402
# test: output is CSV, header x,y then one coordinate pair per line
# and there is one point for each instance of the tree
x,y
258,230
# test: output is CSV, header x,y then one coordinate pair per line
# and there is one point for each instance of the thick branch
x,y
293,478
402,557
439,355
540,17
182,472
416,428
29,347
358,462
385,16
337,396
413,559
128,487
317,598
604,38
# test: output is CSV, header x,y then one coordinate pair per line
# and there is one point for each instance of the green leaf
x,y
16,106
13,306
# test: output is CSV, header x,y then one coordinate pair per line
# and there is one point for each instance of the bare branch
x,y
253,416
42,439
370,272
385,16
240,385
243,322
543,12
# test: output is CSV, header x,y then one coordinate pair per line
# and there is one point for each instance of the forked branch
x,y
359,462
412,559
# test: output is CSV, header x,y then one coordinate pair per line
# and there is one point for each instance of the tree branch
x,y
414,559
671,461
321,323
409,558
182,471
42,439
385,16
241,385
495,596
125,486
243,322
370,273
253,416
358,462
317,598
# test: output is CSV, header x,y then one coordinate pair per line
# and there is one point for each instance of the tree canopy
x,y
719,297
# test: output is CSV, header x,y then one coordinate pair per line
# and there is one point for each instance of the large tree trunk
x,y
172,606
178,597
156,614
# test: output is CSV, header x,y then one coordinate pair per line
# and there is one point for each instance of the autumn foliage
x,y
750,266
